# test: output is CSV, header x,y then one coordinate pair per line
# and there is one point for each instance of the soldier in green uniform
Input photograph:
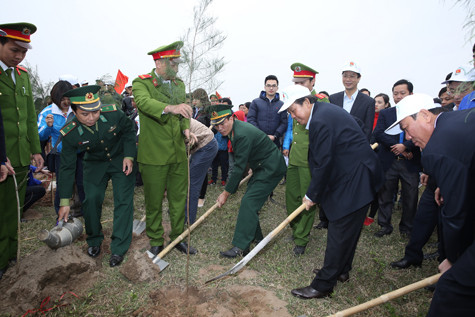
x,y
108,138
298,174
21,131
251,146
162,157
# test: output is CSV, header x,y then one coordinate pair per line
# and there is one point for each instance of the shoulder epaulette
x,y
68,128
320,96
22,68
109,108
145,76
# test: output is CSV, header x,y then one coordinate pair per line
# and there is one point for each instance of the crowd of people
x,y
317,144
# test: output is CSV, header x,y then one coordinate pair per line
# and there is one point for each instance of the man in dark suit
x,y
401,161
448,157
356,103
343,185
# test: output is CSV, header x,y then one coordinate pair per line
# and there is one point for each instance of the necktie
x,y
9,74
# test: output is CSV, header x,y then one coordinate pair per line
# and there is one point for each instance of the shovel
x,y
162,264
261,244
139,226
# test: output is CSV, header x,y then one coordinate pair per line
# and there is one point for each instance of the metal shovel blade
x,y
139,226
162,264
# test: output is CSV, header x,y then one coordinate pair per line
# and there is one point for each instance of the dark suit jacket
x,y
346,173
385,119
363,109
449,157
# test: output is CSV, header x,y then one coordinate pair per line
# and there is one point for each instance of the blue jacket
x,y
59,120
263,115
222,141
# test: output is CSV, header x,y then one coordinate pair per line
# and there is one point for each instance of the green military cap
x,y
302,72
20,32
86,97
167,51
219,113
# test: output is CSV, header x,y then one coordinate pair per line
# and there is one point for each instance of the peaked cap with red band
x,y
20,31
302,72
167,51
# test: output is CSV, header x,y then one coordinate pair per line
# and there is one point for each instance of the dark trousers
x,y
33,194
221,159
425,221
342,238
204,187
455,291
79,180
409,184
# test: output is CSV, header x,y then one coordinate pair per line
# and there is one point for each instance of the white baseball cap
x,y
408,106
292,93
463,74
73,80
351,67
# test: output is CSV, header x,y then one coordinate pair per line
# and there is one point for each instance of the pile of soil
x,y
235,300
45,273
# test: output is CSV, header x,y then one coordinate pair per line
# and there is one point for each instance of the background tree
x,y
202,42
40,90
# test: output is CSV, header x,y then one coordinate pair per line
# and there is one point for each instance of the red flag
x,y
218,95
120,82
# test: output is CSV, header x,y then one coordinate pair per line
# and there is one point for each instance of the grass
x,y
278,270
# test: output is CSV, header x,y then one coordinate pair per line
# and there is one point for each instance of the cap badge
x,y
89,96
298,69
214,114
458,71
26,31
352,64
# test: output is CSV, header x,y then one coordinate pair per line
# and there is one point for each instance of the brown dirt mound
x,y
235,300
46,273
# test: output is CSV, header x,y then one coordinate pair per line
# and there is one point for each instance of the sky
x,y
419,40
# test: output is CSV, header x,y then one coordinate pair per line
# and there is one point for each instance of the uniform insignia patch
x,y
109,108
155,82
83,142
65,130
145,76
112,128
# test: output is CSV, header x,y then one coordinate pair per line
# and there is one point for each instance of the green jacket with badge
x,y
161,140
19,117
106,143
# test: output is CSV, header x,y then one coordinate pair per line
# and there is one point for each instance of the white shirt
x,y
5,67
349,101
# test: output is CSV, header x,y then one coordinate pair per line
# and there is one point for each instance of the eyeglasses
x,y
271,86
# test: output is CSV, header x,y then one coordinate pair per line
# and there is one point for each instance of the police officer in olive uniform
x,y
162,158
21,131
251,146
108,138
298,172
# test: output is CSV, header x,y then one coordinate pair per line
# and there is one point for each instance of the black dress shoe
x,y
299,250
183,247
322,225
309,292
94,251
383,232
115,260
343,277
234,252
156,250
404,264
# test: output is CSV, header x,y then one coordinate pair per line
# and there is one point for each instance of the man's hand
x,y
192,139
271,137
438,197
49,120
407,155
127,166
445,266
398,148
285,152
424,179
181,109
222,198
38,160
63,213
3,173
308,203
8,164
